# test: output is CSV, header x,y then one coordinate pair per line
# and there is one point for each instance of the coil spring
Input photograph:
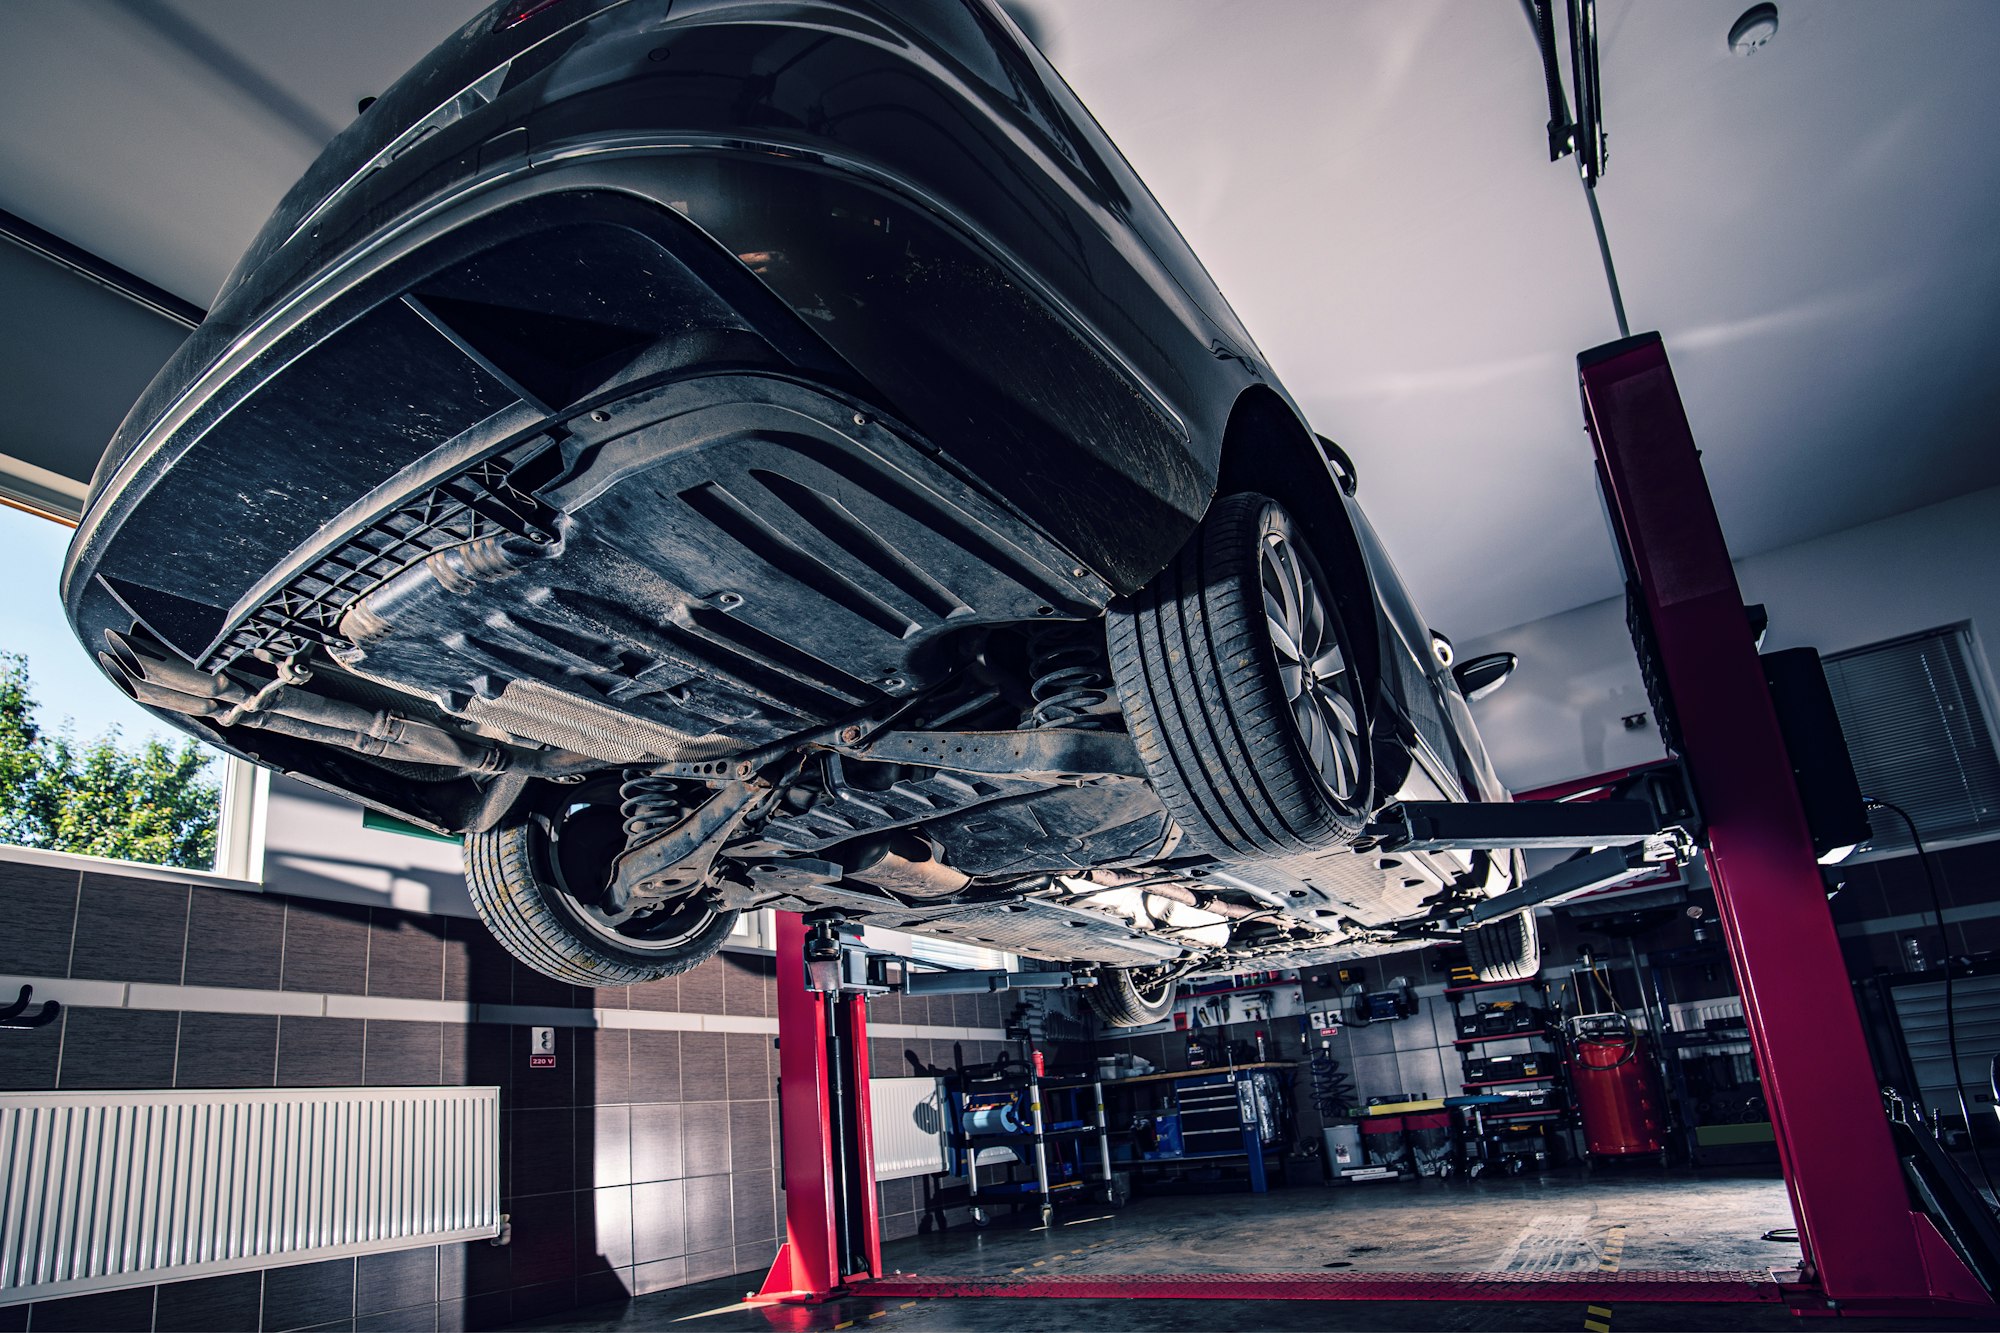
x,y
1331,1089
649,804
1070,685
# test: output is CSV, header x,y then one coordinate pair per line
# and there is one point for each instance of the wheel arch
x,y
1266,448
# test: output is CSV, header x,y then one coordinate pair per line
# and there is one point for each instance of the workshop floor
x,y
1556,1223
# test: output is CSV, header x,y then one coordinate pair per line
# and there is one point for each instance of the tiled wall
x,y
645,1159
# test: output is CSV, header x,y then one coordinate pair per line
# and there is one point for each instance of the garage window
x,y
83,770
1921,733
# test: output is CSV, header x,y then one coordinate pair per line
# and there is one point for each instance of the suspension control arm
x,y
1050,754
679,858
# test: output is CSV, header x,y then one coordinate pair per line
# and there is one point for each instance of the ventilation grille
x,y
1919,734
122,1189
480,502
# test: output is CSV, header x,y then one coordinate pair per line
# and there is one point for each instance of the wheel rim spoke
x,y
1312,667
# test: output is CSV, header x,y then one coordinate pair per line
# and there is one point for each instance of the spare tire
x,y
1509,949
1132,997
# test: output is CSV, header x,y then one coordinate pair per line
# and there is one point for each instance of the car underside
x,y
704,502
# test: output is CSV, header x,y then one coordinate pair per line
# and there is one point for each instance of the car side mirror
x,y
1343,466
1481,676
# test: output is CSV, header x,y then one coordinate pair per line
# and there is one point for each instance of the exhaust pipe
x,y
152,678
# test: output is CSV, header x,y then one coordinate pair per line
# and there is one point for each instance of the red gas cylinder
x,y
1616,1093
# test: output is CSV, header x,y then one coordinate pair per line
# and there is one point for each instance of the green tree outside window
x,y
153,802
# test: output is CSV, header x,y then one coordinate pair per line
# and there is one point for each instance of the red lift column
x,y
832,1233
1864,1244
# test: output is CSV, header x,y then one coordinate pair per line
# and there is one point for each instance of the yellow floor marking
x,y
1017,1270
1601,1311
848,1324
1040,1262
879,1314
906,1305
1597,1326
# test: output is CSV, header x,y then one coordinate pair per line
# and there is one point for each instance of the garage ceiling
x,y
1810,227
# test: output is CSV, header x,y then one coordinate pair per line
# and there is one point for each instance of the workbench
x,y
1217,1115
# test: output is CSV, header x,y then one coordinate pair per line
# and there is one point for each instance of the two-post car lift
x,y
1867,1247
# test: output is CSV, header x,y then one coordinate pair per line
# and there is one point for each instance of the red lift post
x,y
1867,1249
833,1236
1864,1244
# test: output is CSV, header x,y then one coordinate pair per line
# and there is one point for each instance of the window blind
x,y
1918,730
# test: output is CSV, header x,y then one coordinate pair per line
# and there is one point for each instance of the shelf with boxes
x,y
1522,1103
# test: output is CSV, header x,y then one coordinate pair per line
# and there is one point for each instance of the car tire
x,y
1509,949
1123,999
516,888
1223,713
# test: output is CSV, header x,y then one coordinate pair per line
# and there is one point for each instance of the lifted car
x,y
716,455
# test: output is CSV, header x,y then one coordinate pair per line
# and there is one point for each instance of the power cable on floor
x,y
1950,1012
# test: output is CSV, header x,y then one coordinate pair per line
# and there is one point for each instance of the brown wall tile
x,y
705,1139
398,1280
659,1220
130,930
710,1264
230,1303
319,1052
118,1048
326,947
755,1206
662,996
704,1067
39,906
31,1055
604,1067
603,1146
476,968
656,1143
544,1151
708,1210
227,1051
750,1136
701,988
544,1243
234,939
603,1228
405,955
748,1055
95,1312
747,982
399,1054
656,1066
306,1295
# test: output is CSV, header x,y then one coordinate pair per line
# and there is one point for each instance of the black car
x,y
721,454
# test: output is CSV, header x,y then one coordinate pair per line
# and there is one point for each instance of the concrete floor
x,y
1554,1223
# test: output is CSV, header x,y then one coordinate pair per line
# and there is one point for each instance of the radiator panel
x,y
100,1190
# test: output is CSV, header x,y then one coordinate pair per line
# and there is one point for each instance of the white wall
x,y
315,847
1559,716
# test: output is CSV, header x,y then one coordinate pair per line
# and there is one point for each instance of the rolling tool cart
x,y
1056,1124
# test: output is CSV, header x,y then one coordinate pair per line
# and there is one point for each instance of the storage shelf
x,y
1501,1036
1524,1115
1497,1082
1491,985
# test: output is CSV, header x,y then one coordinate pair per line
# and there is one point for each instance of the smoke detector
x,y
1758,25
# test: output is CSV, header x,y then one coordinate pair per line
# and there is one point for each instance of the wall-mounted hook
x,y
16,1014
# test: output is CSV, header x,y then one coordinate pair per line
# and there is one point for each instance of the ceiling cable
x,y
1583,135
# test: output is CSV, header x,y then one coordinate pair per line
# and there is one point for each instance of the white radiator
x,y
119,1189
907,1116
